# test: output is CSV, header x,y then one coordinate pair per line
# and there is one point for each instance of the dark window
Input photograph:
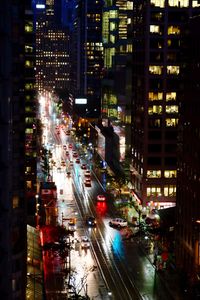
x,y
155,84
170,161
154,148
156,57
171,135
156,43
157,16
154,161
154,135
170,148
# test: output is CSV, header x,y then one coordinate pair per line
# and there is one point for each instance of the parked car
x,y
90,221
118,222
85,242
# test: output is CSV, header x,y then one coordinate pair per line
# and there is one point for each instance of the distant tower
x,y
87,59
52,47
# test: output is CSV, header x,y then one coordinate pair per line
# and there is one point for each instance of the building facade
x,y
31,123
155,107
87,56
12,154
52,47
188,187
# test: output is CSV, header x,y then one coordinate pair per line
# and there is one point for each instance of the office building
x,y
87,57
52,47
116,82
155,108
31,123
12,157
188,177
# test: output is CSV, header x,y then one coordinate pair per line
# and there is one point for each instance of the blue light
x,y
40,6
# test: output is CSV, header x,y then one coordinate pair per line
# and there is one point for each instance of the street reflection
x,y
101,208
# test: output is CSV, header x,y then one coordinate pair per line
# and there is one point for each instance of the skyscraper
x,y
188,178
87,59
52,47
12,157
32,129
155,107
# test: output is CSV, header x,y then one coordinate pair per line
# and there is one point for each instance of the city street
x,y
110,267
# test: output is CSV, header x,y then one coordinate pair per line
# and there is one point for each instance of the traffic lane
x,y
141,272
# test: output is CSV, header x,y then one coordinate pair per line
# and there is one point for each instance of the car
x,y
68,174
64,147
67,153
70,146
87,182
90,221
78,160
118,222
101,198
71,163
84,166
72,225
63,164
67,132
87,174
85,242
75,154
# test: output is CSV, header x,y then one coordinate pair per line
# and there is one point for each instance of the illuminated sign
x,y
80,101
40,6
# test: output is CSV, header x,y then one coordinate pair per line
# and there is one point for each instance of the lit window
x,y
173,30
171,109
154,29
173,70
153,173
170,96
15,201
29,27
170,173
195,3
155,70
155,96
29,64
155,109
130,5
171,122
28,49
153,191
158,3
179,3
113,26
170,191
